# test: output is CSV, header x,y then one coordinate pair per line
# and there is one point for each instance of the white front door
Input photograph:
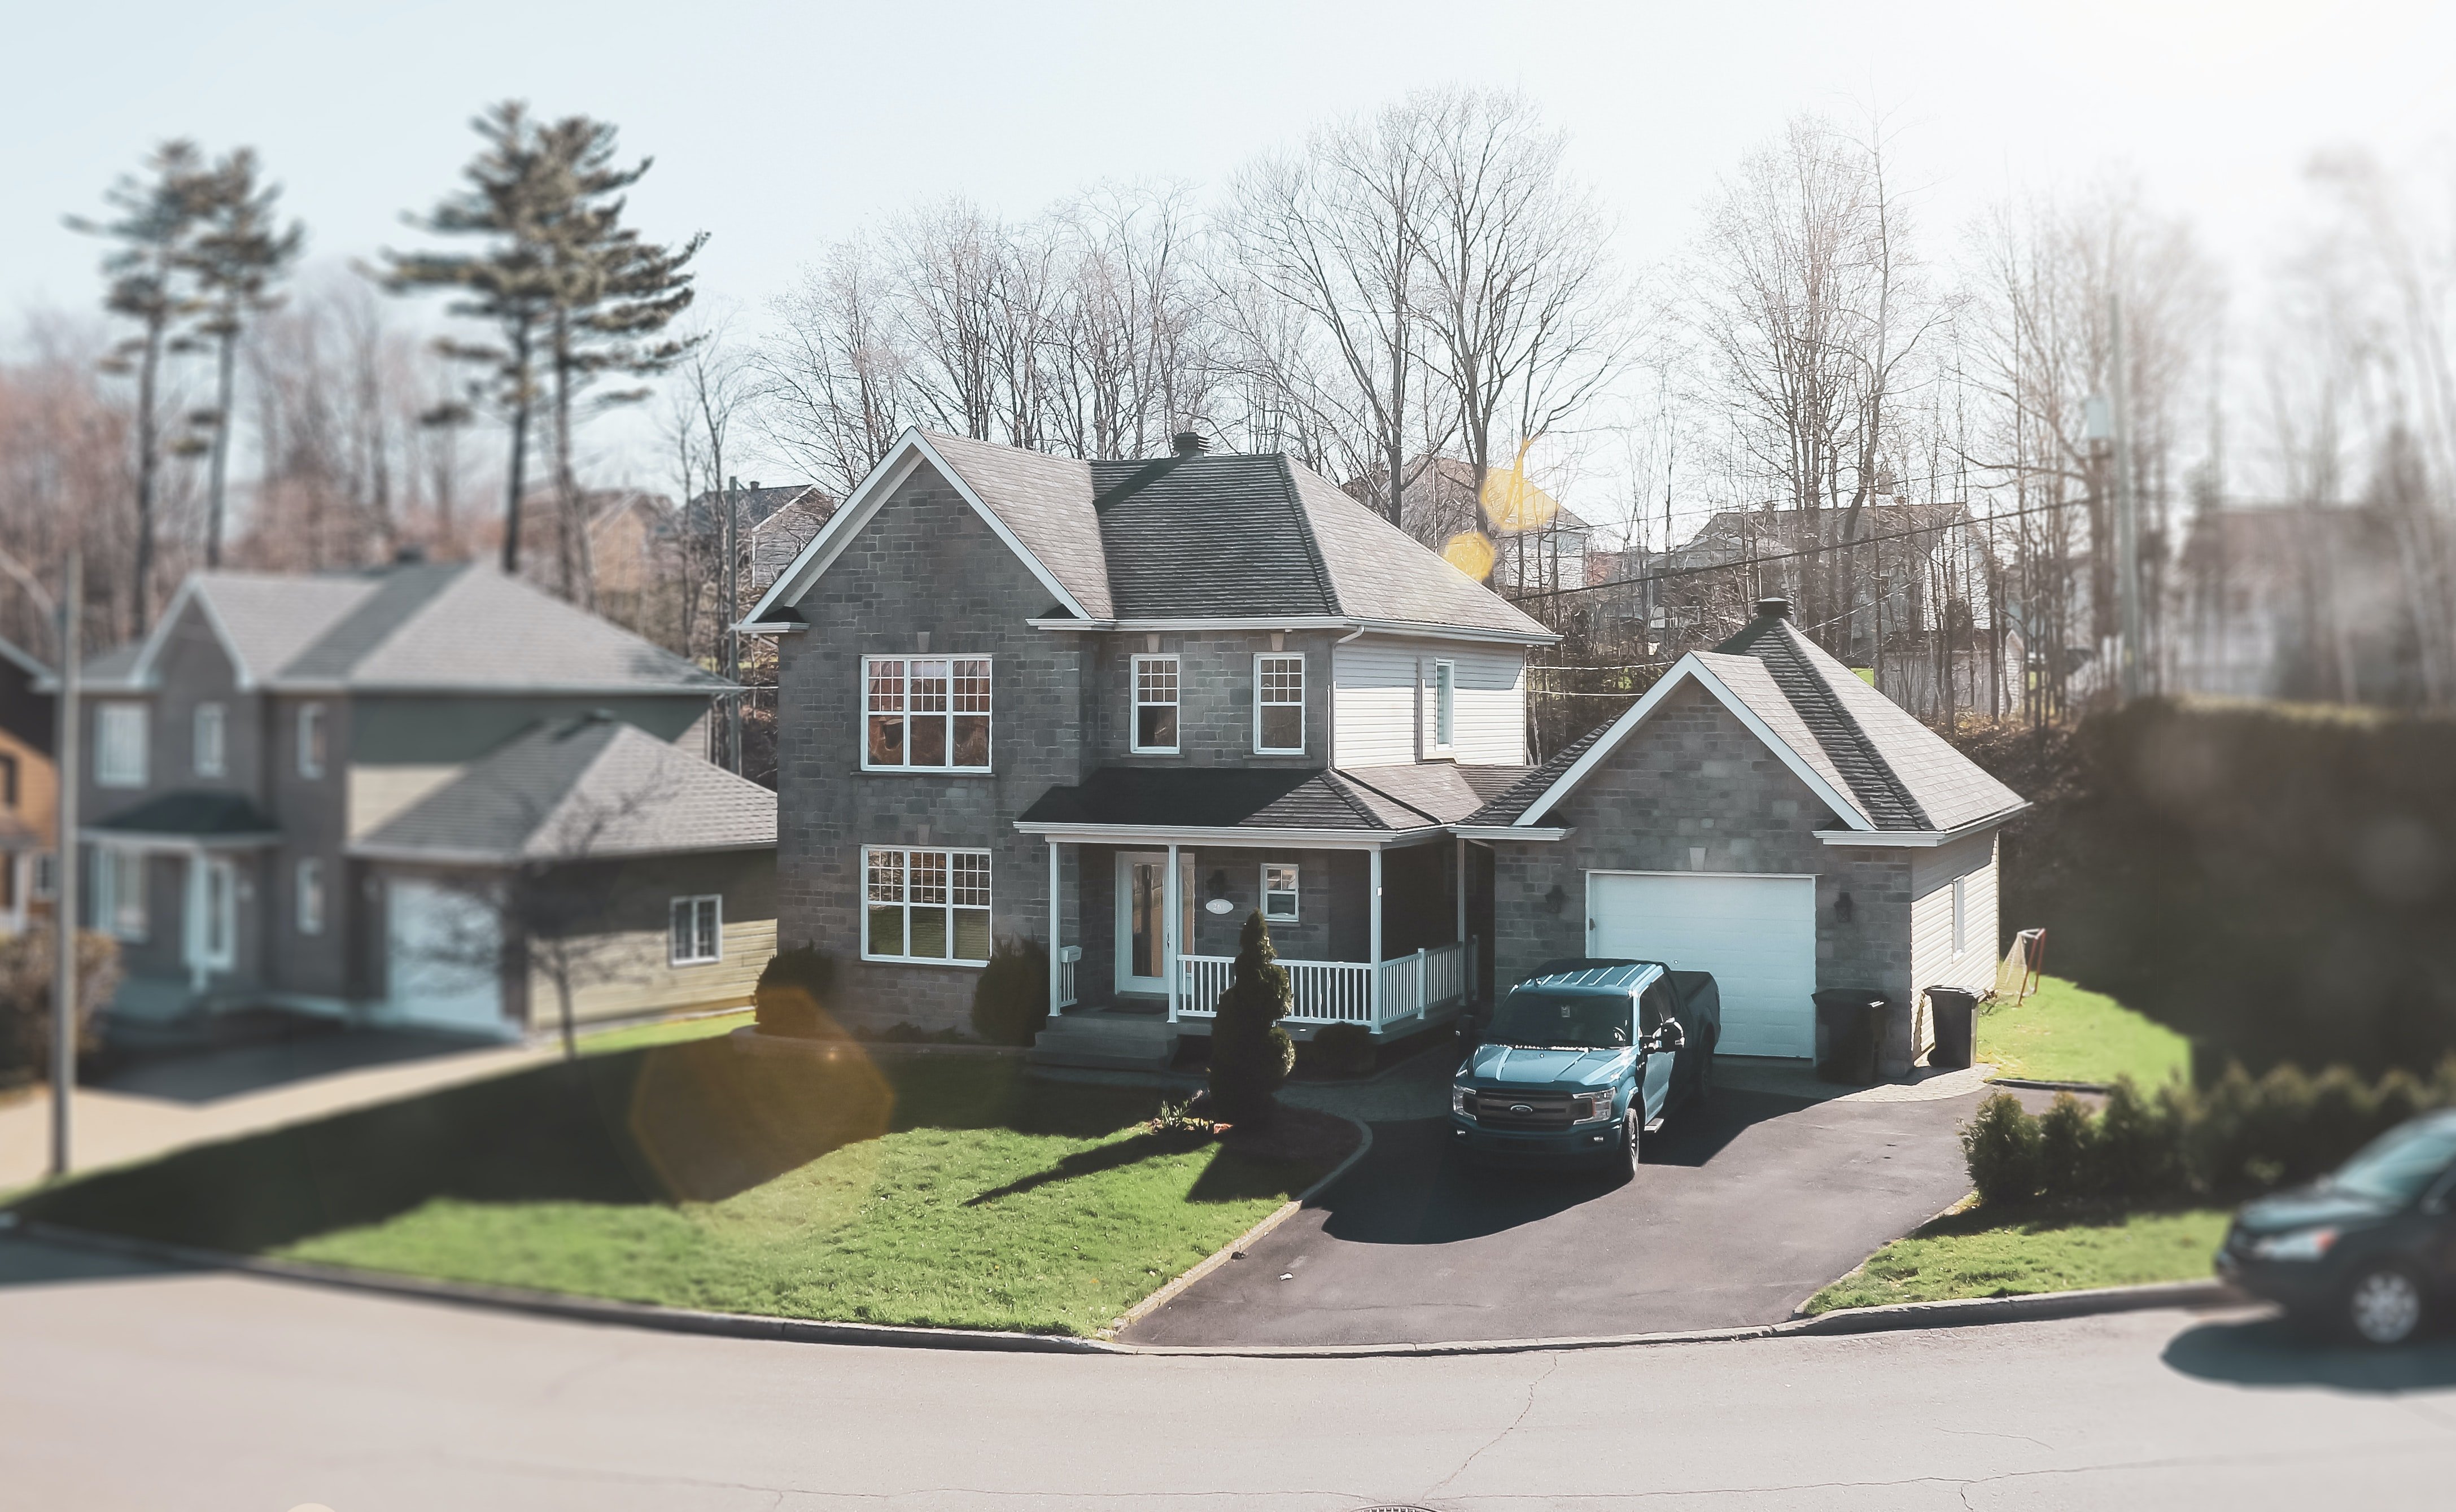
x,y
444,958
212,932
1756,934
1142,904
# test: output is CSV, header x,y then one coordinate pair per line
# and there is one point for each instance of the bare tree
x,y
832,379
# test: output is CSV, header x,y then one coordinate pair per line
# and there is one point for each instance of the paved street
x,y
125,1389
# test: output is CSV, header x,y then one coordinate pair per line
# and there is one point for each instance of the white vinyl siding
x,y
1968,867
1381,687
119,744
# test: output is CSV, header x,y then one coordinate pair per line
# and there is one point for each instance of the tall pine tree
x,y
239,252
1251,1055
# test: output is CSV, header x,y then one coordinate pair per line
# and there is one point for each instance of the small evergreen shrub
x,y
1250,1054
2137,1148
1011,997
1177,1123
2067,1148
2002,1145
1344,1049
794,989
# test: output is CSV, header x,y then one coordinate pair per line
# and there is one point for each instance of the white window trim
x,y
127,716
45,883
310,733
212,717
1136,704
307,907
1295,894
861,697
1445,705
907,851
716,904
1304,672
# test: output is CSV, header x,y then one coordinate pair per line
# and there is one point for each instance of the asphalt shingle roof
x,y
1442,791
203,813
1503,807
1222,798
580,789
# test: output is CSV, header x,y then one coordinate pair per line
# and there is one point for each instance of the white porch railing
x,y
1339,991
1067,956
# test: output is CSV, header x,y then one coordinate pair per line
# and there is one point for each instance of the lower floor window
x,y
311,896
925,905
698,930
1280,894
119,893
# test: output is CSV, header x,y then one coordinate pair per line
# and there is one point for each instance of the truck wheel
x,y
2384,1306
1634,1134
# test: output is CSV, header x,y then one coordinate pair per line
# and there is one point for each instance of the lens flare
x,y
1470,553
1512,502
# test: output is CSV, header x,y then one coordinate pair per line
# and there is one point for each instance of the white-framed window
x,y
311,739
695,931
311,895
1444,704
210,753
925,905
1278,704
924,713
1278,892
1960,916
119,893
119,744
47,875
1155,704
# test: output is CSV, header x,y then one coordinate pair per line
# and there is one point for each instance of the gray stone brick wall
x,y
1215,697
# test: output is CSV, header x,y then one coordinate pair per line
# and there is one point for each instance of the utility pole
x,y
2127,509
732,638
64,869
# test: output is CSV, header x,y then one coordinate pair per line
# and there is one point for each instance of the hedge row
x,y
2239,1136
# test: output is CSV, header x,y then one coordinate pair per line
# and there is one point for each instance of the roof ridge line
x,y
1322,579
1413,808
1356,806
1880,771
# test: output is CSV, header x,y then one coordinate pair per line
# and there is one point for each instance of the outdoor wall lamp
x,y
1842,909
1555,899
1216,886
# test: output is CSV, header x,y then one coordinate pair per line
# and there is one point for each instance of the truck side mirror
x,y
1670,1036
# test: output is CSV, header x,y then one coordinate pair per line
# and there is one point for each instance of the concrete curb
x,y
1251,1236
749,1041
2031,1084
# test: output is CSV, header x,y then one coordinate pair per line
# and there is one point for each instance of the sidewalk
x,y
115,1125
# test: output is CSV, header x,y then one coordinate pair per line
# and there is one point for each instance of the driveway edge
x,y
2033,1084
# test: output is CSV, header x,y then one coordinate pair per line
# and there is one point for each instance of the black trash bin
x,y
1848,1019
1949,1008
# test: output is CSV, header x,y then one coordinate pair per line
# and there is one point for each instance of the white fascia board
x,y
1689,668
1225,835
414,855
1413,631
910,451
1508,833
1917,837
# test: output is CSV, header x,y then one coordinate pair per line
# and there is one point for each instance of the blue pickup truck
x,y
1581,1061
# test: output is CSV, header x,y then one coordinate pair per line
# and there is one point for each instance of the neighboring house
x,y
2303,601
281,784
625,537
1116,706
774,524
1440,502
28,791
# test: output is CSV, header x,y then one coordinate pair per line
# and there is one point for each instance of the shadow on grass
x,y
692,1122
2272,1352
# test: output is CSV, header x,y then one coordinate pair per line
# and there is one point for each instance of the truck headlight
x,y
2303,1245
1597,1110
1459,1096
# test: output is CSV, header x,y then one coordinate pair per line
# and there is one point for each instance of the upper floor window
x,y
211,731
695,931
1278,704
1156,703
119,744
925,713
311,739
925,905
1444,704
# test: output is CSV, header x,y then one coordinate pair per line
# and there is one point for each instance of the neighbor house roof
x,y
587,789
1879,769
1228,536
1376,801
459,626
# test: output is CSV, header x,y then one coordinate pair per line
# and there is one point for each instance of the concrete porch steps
x,y
1105,1041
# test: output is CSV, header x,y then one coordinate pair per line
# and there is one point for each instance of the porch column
x,y
1169,904
192,929
1373,891
1053,1006
1461,934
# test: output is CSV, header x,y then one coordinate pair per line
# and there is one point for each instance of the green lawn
x,y
926,1191
2064,1032
1983,1254
665,1032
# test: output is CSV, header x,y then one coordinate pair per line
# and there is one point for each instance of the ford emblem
x,y
1520,1109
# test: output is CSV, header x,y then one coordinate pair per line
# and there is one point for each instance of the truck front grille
x,y
1543,1110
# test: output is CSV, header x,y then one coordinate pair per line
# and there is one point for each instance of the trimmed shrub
x,y
792,990
1344,1049
1250,1054
1010,998
2002,1144
2138,1145
26,998
2067,1148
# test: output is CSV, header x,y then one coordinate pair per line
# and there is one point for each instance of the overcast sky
x,y
779,126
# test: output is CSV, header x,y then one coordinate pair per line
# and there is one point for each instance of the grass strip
x,y
1985,1252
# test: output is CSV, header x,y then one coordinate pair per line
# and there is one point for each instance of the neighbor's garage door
x,y
444,950
1756,934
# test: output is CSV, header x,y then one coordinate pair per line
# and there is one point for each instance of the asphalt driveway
x,y
1744,1210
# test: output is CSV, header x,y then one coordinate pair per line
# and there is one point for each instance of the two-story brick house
x,y
1114,707
315,791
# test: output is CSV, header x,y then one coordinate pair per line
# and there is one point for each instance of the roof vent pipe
x,y
1773,609
1190,443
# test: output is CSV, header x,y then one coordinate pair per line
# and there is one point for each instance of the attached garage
x,y
1756,934
442,953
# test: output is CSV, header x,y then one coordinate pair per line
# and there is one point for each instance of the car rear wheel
x,y
2384,1306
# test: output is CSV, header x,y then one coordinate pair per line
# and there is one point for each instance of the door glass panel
x,y
1145,919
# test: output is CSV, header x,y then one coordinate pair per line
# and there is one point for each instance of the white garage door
x,y
444,950
1756,934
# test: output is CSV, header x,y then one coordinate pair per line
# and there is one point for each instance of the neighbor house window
x,y
696,929
46,874
8,782
119,744
1280,894
926,714
1960,915
119,891
1278,704
311,739
1156,703
1445,704
210,731
927,905
311,896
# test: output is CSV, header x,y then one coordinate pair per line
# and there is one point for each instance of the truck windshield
x,y
1580,1021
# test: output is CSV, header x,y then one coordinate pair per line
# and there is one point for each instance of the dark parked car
x,y
2370,1250
1578,1062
